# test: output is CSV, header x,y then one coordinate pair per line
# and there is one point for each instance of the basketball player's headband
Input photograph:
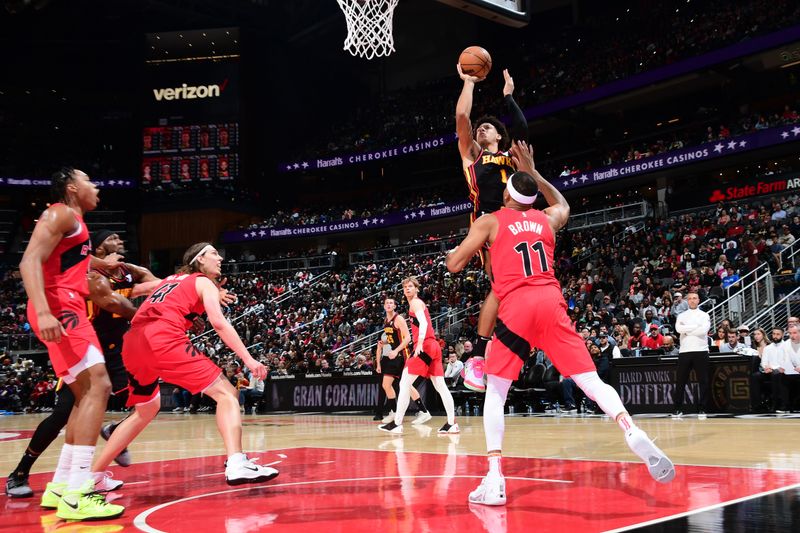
x,y
518,196
206,248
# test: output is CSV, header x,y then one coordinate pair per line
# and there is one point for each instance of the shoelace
x,y
97,497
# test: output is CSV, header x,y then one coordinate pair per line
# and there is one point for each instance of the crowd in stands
x,y
610,44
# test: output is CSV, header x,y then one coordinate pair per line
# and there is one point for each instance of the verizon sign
x,y
189,92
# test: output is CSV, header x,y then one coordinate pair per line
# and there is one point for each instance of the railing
x,y
790,256
421,249
20,341
602,217
278,265
744,299
776,316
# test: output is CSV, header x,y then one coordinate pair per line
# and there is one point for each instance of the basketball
x,y
475,61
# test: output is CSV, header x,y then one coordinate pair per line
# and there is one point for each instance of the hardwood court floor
x,y
338,473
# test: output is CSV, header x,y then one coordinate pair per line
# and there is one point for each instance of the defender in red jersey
x,y
156,347
533,313
54,269
426,361
487,165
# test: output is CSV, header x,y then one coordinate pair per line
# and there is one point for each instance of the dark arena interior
x,y
251,236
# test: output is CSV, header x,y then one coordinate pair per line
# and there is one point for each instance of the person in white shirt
x,y
769,371
693,325
454,367
790,364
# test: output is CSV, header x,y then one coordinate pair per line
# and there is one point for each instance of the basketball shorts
x,y
79,348
428,363
536,317
392,367
116,368
150,353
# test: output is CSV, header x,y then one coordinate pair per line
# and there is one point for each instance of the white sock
x,y
494,464
81,468
447,398
64,464
494,422
237,459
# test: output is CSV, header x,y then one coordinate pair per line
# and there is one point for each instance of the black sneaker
x,y
391,427
377,418
17,486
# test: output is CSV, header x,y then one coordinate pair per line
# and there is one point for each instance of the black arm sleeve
x,y
519,124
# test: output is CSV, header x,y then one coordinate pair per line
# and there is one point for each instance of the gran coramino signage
x,y
684,156
189,92
339,226
366,157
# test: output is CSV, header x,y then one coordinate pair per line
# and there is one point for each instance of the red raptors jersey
x,y
68,264
429,335
173,304
522,251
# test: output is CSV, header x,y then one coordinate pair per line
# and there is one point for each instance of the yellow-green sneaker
x,y
52,495
86,504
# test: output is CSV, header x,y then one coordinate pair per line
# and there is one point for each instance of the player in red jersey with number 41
x,y
533,313
156,347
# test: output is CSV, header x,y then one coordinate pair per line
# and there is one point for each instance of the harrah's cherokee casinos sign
x,y
755,189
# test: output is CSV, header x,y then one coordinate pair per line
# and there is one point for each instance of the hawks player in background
x,y
533,313
487,166
391,357
156,347
426,361
54,270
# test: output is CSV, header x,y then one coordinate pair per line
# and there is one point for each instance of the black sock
x,y
480,346
420,405
25,464
392,404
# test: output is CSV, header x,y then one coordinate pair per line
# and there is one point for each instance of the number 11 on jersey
x,y
538,247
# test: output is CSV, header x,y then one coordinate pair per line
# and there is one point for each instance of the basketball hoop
x,y
369,27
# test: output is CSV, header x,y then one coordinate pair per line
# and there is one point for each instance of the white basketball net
x,y
369,27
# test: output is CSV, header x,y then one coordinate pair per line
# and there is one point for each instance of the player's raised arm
x,y
209,292
54,223
558,212
519,124
467,146
479,233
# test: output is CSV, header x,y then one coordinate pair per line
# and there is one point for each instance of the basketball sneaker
x,y
491,491
52,495
124,457
86,504
448,429
388,418
246,471
659,465
105,482
17,486
421,418
391,427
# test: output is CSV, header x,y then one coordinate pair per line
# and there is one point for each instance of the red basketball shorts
x,y
429,362
69,308
150,353
536,317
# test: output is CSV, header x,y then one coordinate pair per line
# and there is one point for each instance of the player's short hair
x,y
524,183
505,140
188,255
411,279
59,181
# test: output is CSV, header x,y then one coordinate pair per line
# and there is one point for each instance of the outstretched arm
x,y
479,233
467,146
558,212
519,124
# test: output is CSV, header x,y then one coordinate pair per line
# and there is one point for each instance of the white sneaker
x,y
186,409
178,410
388,418
421,417
448,429
491,491
248,472
659,465
391,427
105,482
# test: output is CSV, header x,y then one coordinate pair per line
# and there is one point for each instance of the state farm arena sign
x,y
756,189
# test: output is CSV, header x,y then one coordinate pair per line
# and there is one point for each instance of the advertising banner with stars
x,y
45,182
684,156
339,226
